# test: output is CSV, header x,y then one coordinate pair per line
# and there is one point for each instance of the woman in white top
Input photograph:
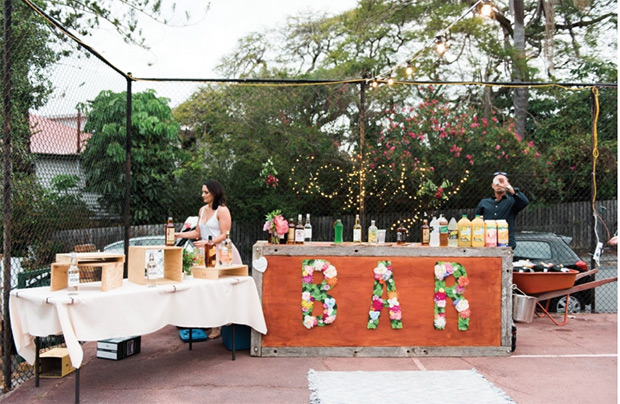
x,y
213,220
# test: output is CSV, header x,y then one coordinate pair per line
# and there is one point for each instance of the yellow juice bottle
x,y
477,232
464,232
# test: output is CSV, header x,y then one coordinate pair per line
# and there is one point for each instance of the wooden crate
x,y
173,264
110,265
218,272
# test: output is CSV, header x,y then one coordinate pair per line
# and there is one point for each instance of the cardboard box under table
x,y
55,363
90,264
169,260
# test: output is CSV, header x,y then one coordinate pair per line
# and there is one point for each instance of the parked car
x,y
550,248
119,246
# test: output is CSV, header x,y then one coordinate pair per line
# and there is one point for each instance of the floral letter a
x,y
455,293
383,276
311,293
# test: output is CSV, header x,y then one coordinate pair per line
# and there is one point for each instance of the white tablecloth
x,y
132,309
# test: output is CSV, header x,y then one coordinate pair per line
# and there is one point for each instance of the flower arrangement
x,y
311,293
383,276
276,225
189,259
455,293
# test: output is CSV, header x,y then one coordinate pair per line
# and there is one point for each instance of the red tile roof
x,y
51,137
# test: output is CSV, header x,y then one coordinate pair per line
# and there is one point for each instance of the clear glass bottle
x,y
227,250
401,234
357,230
444,233
170,232
73,275
372,233
307,229
299,230
151,272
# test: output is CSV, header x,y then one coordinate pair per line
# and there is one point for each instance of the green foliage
x,y
155,154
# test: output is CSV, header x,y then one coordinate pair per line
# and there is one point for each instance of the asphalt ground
x,y
576,363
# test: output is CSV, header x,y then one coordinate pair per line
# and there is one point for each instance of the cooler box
x,y
118,348
242,337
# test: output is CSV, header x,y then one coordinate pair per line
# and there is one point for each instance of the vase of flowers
x,y
276,225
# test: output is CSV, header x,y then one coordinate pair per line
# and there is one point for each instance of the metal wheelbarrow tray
x,y
548,285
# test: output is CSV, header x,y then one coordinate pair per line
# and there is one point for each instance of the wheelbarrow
x,y
544,286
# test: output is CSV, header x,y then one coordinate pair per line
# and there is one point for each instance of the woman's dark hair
x,y
216,189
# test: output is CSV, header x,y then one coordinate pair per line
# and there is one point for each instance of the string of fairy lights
x,y
439,42
348,187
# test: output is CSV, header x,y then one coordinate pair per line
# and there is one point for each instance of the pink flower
x,y
281,224
377,305
497,147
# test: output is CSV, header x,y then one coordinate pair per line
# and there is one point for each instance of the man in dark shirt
x,y
504,204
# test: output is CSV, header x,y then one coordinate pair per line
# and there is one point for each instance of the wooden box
x,y
172,262
107,267
55,363
218,272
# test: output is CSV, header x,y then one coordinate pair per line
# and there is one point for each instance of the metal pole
x,y
6,206
593,242
362,124
127,173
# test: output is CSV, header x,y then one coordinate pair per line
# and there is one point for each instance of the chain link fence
x,y
333,149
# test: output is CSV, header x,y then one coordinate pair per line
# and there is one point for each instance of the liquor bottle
x,y
73,275
434,242
229,249
308,229
453,233
464,232
210,260
477,232
401,234
338,231
151,272
426,232
170,232
372,233
443,231
357,230
299,231
290,239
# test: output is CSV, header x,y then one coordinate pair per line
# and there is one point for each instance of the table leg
x,y
37,347
77,386
190,339
232,326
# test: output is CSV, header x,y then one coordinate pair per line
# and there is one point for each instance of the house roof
x,y
51,137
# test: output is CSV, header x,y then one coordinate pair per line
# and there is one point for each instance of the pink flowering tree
x,y
436,151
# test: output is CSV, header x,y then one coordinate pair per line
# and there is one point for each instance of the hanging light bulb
x,y
409,70
374,83
440,45
486,9
390,81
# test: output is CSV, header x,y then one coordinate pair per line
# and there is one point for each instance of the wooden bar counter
x,y
326,299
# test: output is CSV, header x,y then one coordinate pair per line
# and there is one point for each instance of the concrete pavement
x,y
576,363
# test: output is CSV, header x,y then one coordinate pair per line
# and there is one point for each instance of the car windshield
x,y
534,250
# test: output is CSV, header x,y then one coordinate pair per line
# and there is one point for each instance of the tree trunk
x,y
519,68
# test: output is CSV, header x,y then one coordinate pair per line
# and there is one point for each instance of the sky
x,y
194,51
191,51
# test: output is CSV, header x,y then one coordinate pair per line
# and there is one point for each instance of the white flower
x,y
309,321
463,304
440,323
330,272
305,296
393,302
440,271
